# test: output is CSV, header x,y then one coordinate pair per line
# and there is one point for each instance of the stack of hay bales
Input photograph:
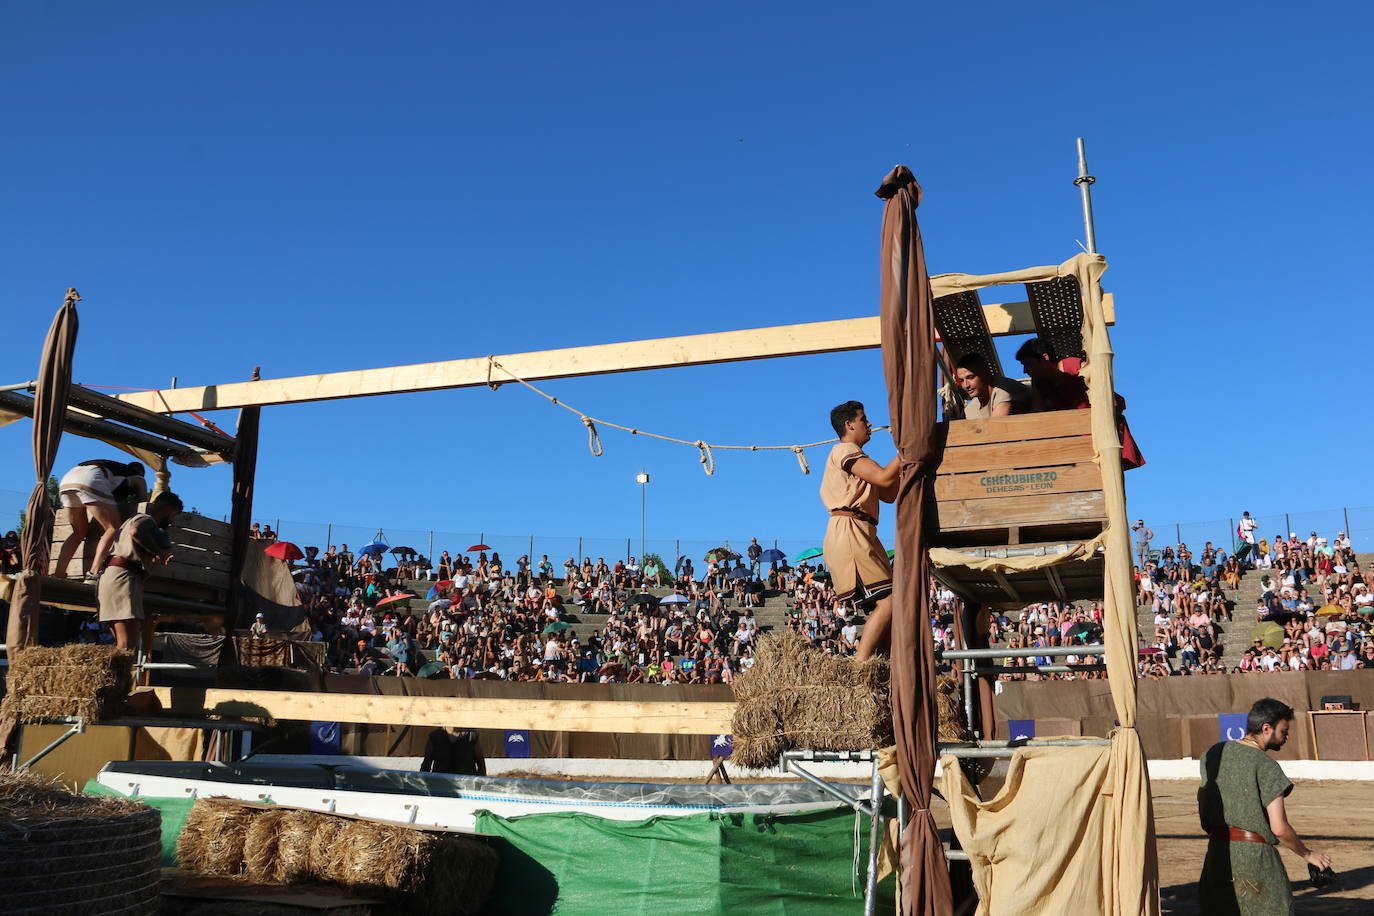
x,y
441,873
796,696
76,680
65,853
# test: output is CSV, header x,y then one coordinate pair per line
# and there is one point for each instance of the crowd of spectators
x,y
523,621
1312,613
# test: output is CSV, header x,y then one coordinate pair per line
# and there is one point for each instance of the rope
x,y
706,450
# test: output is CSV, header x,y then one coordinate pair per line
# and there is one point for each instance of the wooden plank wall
x,y
1028,470
200,557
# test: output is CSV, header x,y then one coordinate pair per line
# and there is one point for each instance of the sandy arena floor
x,y
1334,817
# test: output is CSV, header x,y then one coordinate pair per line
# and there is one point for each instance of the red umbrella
x,y
447,583
284,550
394,598
479,547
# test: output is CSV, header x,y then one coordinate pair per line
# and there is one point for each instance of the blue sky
x,y
316,187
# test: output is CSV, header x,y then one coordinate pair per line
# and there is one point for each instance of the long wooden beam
x,y
648,718
632,356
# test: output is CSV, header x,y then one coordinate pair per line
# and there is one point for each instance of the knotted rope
x,y
706,453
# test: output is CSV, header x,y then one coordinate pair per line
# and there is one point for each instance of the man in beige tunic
x,y
140,542
851,487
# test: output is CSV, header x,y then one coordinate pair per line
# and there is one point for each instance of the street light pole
x,y
642,478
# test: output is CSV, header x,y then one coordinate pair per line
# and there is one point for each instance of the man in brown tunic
x,y
851,488
140,542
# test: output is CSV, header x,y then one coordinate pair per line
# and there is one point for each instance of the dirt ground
x,y
1334,817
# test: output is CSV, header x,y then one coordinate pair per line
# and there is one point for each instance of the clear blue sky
x,y
313,187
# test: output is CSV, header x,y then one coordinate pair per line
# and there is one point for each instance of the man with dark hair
x,y
1241,805
139,543
986,393
851,487
454,750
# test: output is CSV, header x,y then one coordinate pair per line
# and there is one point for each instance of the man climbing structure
x,y
851,488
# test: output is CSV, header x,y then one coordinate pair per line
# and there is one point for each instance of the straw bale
x,y
295,837
796,696
260,841
212,840
74,680
949,711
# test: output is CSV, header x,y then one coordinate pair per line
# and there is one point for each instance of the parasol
x,y
807,554
284,550
392,599
1331,610
772,555
478,547
1270,634
557,626
674,599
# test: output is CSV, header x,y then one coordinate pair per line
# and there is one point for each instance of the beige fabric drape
x,y
1064,835
1072,831
1083,550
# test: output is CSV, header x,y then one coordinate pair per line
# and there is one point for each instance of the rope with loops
x,y
705,449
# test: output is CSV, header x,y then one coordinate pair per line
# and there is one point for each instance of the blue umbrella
x,y
739,572
371,550
772,555
433,592
674,599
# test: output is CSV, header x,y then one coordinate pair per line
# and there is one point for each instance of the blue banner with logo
x,y
1020,728
721,745
1231,725
324,738
517,742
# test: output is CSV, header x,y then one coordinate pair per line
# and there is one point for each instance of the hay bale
x,y
796,696
260,841
439,873
295,838
61,852
75,680
212,840
949,711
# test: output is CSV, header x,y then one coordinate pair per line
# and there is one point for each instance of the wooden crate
x,y
1018,485
1017,479
199,570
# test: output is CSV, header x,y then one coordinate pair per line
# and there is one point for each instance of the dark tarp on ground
x,y
723,864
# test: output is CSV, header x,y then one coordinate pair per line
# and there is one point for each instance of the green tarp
x,y
173,811
572,864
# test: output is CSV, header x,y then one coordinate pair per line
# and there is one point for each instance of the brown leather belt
x,y
1237,835
855,513
131,565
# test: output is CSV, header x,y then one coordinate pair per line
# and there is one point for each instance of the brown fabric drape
x,y
50,409
908,338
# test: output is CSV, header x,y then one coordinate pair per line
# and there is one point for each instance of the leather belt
x,y
131,565
855,513
1237,835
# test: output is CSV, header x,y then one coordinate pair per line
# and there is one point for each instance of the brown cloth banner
x,y
908,337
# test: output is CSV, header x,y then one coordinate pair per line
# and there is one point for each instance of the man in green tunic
x,y
1241,804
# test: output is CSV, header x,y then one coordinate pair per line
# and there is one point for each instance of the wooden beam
x,y
633,356
648,718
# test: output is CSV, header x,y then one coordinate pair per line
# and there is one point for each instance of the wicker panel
x,y
1057,308
963,328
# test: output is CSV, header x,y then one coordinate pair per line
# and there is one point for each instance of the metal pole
x,y
871,888
643,513
1084,182
530,555
1346,513
579,550
329,535
1287,525
431,547
1178,535
1232,522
